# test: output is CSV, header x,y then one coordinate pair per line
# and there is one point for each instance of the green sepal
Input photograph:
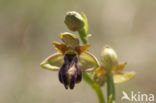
x,y
53,62
88,62
109,58
123,77
70,40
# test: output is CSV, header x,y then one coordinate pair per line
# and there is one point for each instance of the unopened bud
x,y
109,58
74,21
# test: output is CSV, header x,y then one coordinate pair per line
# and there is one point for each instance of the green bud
x,y
109,58
74,21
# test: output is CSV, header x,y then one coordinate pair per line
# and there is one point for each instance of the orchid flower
x,y
109,63
70,60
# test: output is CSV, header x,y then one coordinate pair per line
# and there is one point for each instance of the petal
x,y
82,49
100,76
69,39
100,71
61,48
123,77
53,62
87,62
120,67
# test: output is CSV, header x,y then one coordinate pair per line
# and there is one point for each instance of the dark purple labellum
x,y
70,73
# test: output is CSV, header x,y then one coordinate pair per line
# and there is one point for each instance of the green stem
x,y
95,87
110,88
86,77
83,36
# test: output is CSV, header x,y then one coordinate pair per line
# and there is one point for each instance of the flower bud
x,y
74,21
109,58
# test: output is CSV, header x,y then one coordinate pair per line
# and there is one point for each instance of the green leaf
x,y
123,77
88,62
53,62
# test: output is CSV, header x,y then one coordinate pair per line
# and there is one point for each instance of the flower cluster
x,y
71,59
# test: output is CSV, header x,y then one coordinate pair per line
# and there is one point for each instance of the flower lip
x,y
70,58
70,73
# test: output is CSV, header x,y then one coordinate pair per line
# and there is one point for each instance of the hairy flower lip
x,y
70,73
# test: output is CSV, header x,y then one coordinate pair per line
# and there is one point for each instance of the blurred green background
x,y
28,27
